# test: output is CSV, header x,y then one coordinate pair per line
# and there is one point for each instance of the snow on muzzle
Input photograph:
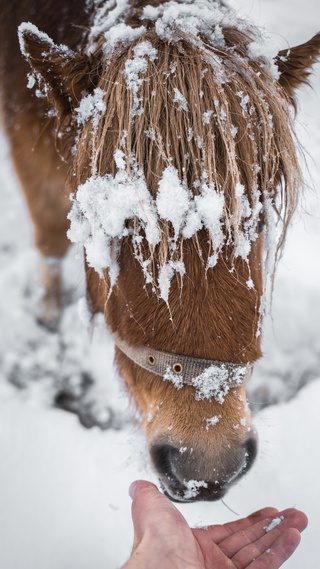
x,y
187,474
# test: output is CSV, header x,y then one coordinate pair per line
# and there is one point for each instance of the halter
x,y
210,378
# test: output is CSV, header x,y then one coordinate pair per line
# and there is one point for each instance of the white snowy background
x,y
63,488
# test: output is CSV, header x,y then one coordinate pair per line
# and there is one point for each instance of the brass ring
x,y
177,368
151,360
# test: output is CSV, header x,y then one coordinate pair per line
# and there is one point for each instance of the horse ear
x,y
295,64
63,75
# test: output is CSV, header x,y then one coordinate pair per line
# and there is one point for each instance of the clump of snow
x,y
177,380
166,273
91,106
173,67
207,211
273,524
31,81
207,116
109,22
119,159
101,208
245,210
251,216
234,131
150,132
212,421
272,232
136,66
192,488
107,15
173,199
245,100
215,382
267,51
121,35
243,245
172,19
180,100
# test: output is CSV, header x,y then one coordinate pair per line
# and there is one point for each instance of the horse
x,y
171,126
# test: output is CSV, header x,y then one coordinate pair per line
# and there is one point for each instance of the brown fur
x,y
213,314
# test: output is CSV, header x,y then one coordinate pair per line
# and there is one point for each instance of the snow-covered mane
x,y
187,130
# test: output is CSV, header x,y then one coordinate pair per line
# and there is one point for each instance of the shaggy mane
x,y
247,137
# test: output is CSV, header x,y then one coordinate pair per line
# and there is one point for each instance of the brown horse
x,y
173,132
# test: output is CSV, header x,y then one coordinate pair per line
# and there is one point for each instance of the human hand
x,y
163,539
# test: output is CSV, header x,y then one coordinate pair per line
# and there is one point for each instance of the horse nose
x,y
187,475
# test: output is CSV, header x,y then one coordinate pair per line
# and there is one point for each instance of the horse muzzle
x,y
189,475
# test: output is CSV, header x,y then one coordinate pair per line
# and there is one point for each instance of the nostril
x,y
162,456
251,449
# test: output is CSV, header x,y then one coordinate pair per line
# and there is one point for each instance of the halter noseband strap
x,y
210,378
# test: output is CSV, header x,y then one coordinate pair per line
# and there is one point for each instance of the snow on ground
x,y
63,488
64,501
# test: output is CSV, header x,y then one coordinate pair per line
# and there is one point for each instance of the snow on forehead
x,y
199,12
108,21
107,16
194,19
121,34
207,18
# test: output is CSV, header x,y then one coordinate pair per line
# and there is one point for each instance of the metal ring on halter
x,y
177,368
151,360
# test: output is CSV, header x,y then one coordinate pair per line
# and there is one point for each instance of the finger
x,y
149,507
282,548
258,540
218,533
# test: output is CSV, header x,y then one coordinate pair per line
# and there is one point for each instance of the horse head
x,y
177,130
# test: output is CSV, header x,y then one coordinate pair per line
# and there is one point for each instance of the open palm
x,y
164,540
246,544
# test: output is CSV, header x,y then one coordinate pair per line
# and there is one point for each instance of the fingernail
x,y
132,489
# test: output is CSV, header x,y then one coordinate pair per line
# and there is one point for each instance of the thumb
x,y
152,512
